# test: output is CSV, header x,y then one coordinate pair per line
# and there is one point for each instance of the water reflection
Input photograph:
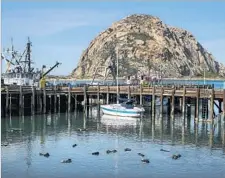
x,y
175,131
27,136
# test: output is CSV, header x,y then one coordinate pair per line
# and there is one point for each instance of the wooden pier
x,y
22,100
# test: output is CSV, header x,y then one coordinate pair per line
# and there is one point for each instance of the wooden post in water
x,y
7,101
107,95
87,106
99,99
40,102
55,99
85,97
59,104
21,101
141,100
180,103
33,101
153,101
183,102
172,103
50,102
44,100
197,104
69,99
75,102
10,104
223,104
91,99
129,93
211,104
169,104
98,95
220,106
161,102
23,105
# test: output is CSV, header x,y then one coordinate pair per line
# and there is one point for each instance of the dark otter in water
x,y
127,149
66,161
164,150
44,154
5,144
140,154
74,145
145,160
95,153
109,151
176,156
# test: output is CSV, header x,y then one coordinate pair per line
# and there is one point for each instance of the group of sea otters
x,y
175,156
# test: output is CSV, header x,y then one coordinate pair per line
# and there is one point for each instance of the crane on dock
x,y
42,79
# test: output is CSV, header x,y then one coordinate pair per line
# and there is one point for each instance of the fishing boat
x,y
19,70
124,109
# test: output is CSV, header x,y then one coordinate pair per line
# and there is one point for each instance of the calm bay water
x,y
202,147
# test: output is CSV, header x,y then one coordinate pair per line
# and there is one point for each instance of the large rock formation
x,y
145,45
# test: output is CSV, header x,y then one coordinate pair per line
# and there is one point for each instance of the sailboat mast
x,y
12,47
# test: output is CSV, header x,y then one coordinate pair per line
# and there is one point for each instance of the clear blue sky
x,y
62,30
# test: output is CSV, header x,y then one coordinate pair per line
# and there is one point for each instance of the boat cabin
x,y
129,104
23,79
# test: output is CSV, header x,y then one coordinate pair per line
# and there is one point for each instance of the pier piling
x,y
41,98
183,102
21,101
7,102
141,98
44,100
59,102
69,99
172,103
33,100
197,104
129,93
107,95
161,103
55,99
153,101
211,104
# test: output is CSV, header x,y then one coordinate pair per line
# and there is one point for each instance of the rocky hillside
x,y
145,45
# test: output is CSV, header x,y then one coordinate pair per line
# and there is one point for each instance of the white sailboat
x,y
125,109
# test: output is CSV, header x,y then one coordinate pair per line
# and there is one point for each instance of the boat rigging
x,y
19,68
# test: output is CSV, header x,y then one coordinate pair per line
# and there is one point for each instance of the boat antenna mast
x,y
28,55
13,56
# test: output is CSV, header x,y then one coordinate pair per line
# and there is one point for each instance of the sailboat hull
x,y
116,110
